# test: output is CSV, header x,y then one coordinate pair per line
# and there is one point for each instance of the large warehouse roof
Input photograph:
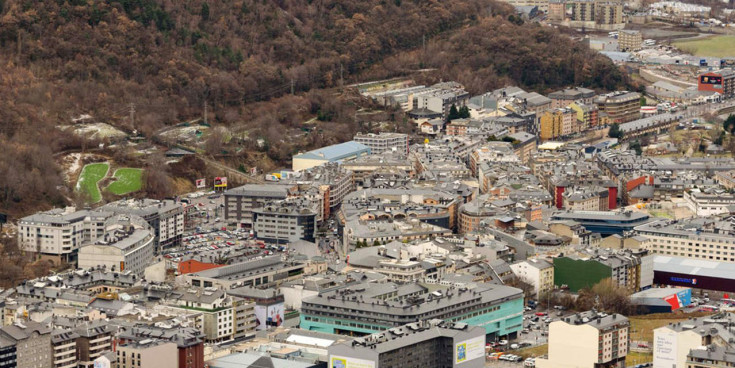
x,y
694,267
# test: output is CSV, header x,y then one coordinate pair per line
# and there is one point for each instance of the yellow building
x,y
551,124
629,40
557,123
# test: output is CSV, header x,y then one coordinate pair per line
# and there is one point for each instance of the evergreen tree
x,y
205,12
729,124
615,131
464,112
453,113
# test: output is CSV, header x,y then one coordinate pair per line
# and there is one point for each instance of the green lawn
x,y
128,180
91,174
716,46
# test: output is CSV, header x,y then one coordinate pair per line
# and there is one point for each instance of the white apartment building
x,y
58,234
672,343
536,272
383,142
224,317
709,203
166,218
587,340
700,238
124,247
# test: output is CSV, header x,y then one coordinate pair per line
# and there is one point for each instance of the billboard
x,y
664,348
679,300
201,183
269,316
336,361
708,79
220,182
469,350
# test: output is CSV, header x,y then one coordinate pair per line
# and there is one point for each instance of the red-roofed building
x,y
192,266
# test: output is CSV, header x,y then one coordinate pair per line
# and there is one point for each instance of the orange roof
x,y
193,265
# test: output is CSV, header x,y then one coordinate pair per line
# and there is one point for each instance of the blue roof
x,y
336,152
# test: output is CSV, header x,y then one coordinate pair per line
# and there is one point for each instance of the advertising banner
x,y
706,79
201,183
269,316
469,350
220,182
665,348
336,361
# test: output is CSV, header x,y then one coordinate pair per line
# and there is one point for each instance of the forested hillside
x,y
63,58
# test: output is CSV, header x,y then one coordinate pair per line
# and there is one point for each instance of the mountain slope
x,y
63,58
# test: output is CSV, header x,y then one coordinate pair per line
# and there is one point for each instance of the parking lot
x,y
534,333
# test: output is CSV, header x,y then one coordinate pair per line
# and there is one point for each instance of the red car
x,y
540,314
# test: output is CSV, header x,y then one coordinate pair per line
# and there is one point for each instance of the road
x,y
232,171
699,110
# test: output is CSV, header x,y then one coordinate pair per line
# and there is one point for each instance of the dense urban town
x,y
576,228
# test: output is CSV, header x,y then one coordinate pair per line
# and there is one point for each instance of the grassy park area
x,y
715,46
88,179
128,180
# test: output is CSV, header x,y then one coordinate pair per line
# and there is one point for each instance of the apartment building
x,y
586,199
587,115
93,341
33,344
383,142
609,14
652,125
537,272
224,317
698,238
557,123
432,343
630,40
674,343
620,107
189,341
265,271
283,222
368,308
582,11
165,217
493,152
241,201
332,180
64,347
127,245
146,353
524,145
709,202
58,234
371,232
8,353
557,10
435,207
567,96
726,179
440,98
587,339
711,357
